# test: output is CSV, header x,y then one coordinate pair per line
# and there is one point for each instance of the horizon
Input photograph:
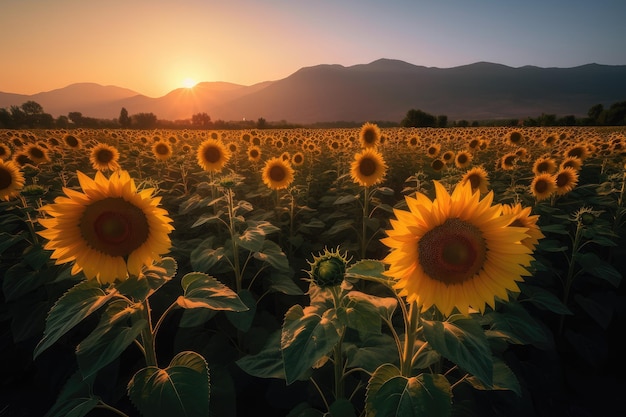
x,y
158,46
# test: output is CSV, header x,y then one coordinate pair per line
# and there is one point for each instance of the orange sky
x,y
152,46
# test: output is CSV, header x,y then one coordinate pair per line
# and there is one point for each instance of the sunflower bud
x,y
328,269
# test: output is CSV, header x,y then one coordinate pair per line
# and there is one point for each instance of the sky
x,y
155,46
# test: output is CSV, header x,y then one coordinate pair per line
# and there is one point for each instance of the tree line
x,y
31,115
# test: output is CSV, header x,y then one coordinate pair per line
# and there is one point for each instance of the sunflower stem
x,y
570,271
147,337
411,325
364,240
233,239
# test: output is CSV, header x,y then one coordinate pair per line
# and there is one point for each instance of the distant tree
x,y
18,116
124,119
144,120
261,123
6,120
462,123
62,122
569,120
31,107
594,113
616,114
442,120
76,118
418,118
201,120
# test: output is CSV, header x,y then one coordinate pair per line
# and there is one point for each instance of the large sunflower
x,y
277,173
368,167
11,179
104,157
110,230
213,155
456,251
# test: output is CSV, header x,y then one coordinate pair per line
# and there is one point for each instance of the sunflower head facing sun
x,y
110,230
213,155
455,252
104,157
368,167
277,173
11,180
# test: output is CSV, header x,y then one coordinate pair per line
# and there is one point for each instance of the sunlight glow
x,y
189,83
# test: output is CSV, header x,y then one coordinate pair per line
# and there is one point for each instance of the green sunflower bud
x,y
328,269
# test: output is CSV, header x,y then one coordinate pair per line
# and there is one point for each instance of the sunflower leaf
x,y
204,291
389,394
268,362
592,264
69,310
463,342
75,398
181,389
272,253
503,379
305,339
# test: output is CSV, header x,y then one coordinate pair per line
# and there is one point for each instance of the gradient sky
x,y
152,46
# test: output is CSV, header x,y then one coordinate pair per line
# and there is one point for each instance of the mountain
x,y
383,90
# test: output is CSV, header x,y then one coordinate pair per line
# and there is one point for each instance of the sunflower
x,y
11,179
368,167
566,179
438,164
277,173
162,150
5,152
571,162
369,135
579,151
463,159
37,154
523,218
297,159
72,141
104,157
456,251
544,164
254,153
414,142
542,186
447,157
433,150
213,155
515,137
507,162
478,177
110,230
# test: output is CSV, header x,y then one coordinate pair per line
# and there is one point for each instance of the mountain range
x,y
383,90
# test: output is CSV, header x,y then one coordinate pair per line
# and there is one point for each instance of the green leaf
x,y
503,379
339,226
182,389
204,291
342,407
69,310
20,279
592,264
361,312
305,339
268,362
280,282
544,299
153,278
516,325
252,239
370,352
598,309
273,254
7,240
463,342
110,338
369,270
346,199
75,399
389,394
242,320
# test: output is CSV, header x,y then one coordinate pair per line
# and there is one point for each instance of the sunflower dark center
x,y
367,167
437,164
254,153
277,173
36,153
369,136
562,180
71,141
452,252
212,154
462,158
6,179
104,156
114,226
541,186
474,180
162,149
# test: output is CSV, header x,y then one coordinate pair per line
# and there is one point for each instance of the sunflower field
x,y
312,272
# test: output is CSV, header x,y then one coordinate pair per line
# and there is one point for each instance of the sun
x,y
189,82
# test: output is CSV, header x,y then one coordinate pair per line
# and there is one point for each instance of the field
x,y
311,272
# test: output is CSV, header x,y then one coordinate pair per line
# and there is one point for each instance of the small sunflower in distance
x,y
456,251
104,157
277,173
162,150
543,186
368,167
478,177
11,179
369,135
254,153
213,155
523,218
110,230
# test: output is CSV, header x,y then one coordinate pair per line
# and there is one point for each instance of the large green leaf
x,y
370,270
306,338
273,254
242,320
182,389
268,362
282,282
592,264
389,394
204,291
503,379
110,338
544,299
463,342
371,351
153,278
75,399
69,310
21,279
516,325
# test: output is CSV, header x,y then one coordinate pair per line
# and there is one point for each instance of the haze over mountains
x,y
383,90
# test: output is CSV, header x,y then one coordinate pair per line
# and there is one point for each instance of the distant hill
x,y
381,90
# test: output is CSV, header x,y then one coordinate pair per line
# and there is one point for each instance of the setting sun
x,y
189,82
